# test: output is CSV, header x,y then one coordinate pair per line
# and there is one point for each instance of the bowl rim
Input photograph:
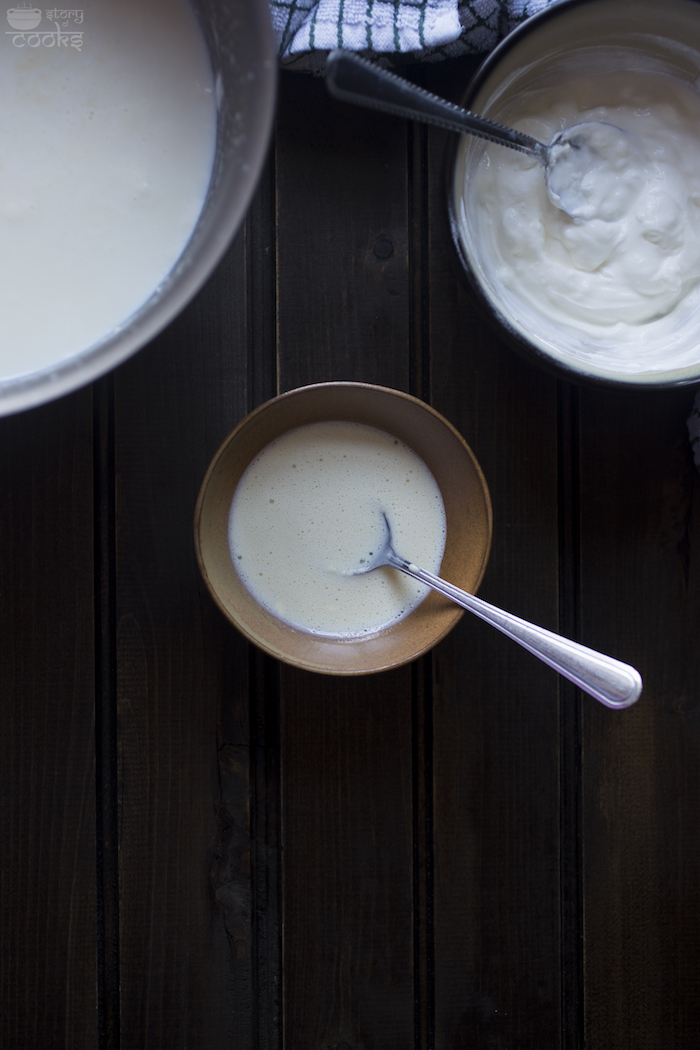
x,y
310,665
489,309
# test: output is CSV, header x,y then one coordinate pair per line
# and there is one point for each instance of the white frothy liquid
x,y
309,508
107,134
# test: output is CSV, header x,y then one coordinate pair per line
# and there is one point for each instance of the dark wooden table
x,y
204,849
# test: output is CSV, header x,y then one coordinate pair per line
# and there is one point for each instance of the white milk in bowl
x,y
108,128
309,508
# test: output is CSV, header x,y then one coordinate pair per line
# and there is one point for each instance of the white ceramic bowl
x,y
598,34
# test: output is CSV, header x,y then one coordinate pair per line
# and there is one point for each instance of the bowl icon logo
x,y
24,18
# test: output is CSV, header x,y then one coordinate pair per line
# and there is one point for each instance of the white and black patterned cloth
x,y
420,29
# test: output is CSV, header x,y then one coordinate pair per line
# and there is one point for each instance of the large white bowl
x,y
241,47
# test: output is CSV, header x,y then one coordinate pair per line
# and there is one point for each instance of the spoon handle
x,y
354,79
613,683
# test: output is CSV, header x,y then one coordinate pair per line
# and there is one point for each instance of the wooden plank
x,y
342,248
347,841
344,312
497,932
640,553
48,977
182,684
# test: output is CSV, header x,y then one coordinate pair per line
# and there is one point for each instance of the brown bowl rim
x,y
310,665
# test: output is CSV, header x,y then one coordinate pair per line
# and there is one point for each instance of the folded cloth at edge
x,y
425,29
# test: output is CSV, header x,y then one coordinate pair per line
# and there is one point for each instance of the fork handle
x,y
610,681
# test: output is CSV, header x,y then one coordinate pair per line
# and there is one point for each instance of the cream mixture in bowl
x,y
308,510
613,294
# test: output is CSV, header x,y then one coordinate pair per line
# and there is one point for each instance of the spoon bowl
x,y
613,683
594,170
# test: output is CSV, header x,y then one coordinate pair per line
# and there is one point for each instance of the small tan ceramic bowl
x,y
467,507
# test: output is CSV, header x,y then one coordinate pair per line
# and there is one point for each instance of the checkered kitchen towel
x,y
425,29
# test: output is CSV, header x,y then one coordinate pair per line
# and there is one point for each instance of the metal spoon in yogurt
x,y
592,169
613,683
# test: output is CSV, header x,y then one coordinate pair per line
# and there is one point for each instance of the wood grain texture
x,y
348,891
642,812
48,980
185,895
342,241
205,849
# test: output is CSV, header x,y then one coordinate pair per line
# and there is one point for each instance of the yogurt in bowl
x,y
426,479
613,294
